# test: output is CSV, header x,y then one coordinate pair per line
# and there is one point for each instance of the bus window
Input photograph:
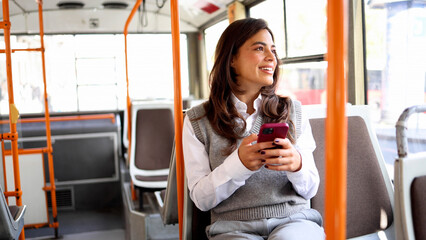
x,y
300,38
306,27
272,11
79,65
151,66
28,83
211,36
304,82
396,74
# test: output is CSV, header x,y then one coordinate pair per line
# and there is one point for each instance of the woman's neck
x,y
248,99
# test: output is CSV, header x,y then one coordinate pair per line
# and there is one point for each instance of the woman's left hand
x,y
283,158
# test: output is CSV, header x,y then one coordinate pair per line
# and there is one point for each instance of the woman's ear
x,y
233,61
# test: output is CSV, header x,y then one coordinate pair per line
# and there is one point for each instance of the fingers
x,y
249,154
283,158
286,158
284,142
248,140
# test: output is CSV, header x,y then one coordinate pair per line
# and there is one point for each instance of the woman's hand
x,y
250,155
284,158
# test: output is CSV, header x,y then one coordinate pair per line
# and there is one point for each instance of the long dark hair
x,y
220,110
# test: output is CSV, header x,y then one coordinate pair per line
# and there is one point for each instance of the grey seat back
x,y
369,190
367,198
154,138
152,144
11,219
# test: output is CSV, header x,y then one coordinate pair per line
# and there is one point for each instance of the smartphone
x,y
269,131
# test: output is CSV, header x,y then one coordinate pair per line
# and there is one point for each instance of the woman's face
x,y
255,62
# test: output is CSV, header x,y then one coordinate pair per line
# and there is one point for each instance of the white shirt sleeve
x,y
305,181
209,188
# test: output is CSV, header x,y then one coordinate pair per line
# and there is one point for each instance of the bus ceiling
x,y
109,16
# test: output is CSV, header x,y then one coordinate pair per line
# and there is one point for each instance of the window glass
x,y
87,72
211,36
304,82
306,27
272,11
26,76
151,66
396,60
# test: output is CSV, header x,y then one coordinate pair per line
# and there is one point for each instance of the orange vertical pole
x,y
47,120
13,112
178,115
129,104
336,122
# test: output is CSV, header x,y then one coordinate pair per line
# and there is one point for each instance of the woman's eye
x,y
274,51
259,48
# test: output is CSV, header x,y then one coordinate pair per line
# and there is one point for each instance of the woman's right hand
x,y
250,154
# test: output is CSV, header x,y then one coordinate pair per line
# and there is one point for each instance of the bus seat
x,y
369,188
11,219
195,221
167,198
410,185
151,146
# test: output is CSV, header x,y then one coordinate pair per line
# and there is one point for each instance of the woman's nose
x,y
270,56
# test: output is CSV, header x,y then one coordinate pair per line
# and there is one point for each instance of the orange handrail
x,y
47,116
178,115
30,151
129,104
67,118
13,113
22,50
336,122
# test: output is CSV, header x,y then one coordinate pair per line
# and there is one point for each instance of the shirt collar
x,y
242,107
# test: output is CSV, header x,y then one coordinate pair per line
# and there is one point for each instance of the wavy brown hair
x,y
220,110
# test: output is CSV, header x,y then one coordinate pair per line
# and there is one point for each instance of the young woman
x,y
253,190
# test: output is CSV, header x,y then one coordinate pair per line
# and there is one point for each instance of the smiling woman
x,y
243,183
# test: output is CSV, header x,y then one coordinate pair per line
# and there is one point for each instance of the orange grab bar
x,y
66,118
47,119
336,122
129,104
178,115
12,109
13,194
23,50
29,151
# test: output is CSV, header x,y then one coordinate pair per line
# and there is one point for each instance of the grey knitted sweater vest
x,y
267,193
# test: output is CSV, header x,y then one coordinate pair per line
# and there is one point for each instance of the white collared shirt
x,y
209,188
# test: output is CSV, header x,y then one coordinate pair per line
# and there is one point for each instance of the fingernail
x,y
263,160
276,140
262,152
266,166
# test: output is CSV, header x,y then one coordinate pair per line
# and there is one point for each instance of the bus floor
x,y
106,224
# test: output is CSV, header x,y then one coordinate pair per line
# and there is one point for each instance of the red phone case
x,y
270,131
